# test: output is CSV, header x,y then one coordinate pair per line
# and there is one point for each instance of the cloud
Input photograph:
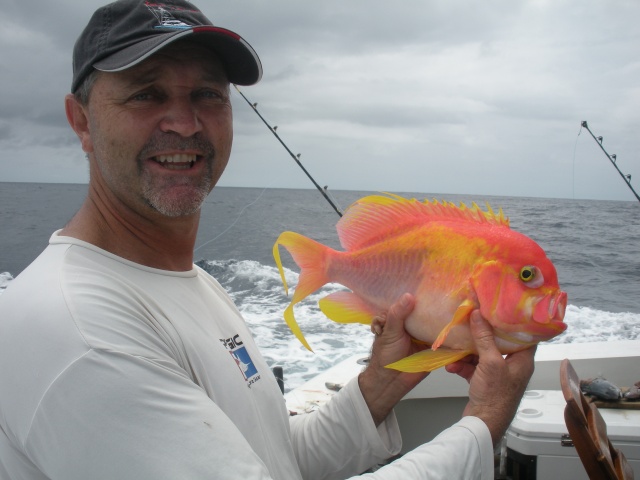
x,y
439,96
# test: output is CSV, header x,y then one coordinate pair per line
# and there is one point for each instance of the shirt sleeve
x,y
112,415
341,440
462,451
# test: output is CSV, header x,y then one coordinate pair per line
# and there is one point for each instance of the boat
x,y
536,445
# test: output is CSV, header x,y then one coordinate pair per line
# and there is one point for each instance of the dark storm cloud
x,y
487,96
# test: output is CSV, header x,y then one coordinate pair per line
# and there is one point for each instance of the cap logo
x,y
164,15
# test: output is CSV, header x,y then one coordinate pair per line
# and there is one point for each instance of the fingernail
x,y
404,301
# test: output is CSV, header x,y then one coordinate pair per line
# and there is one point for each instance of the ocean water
x,y
595,246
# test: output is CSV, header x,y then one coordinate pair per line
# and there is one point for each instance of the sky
x,y
434,96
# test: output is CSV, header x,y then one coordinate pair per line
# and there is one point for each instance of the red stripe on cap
x,y
207,28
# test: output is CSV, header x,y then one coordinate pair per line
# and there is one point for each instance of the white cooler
x,y
537,439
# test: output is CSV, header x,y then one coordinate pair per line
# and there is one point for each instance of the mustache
x,y
172,141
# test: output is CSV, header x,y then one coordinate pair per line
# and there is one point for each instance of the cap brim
x,y
240,60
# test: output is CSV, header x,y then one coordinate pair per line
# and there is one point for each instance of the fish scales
x,y
454,259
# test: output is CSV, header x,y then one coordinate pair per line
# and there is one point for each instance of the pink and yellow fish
x,y
453,259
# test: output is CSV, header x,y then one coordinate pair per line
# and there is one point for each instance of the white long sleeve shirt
x,y
114,370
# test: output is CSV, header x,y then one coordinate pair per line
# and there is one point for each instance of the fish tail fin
x,y
310,256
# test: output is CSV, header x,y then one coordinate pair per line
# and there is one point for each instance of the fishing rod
x,y
296,158
612,159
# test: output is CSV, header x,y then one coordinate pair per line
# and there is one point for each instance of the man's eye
x,y
210,95
140,97
147,95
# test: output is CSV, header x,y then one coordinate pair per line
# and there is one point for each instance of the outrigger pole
x,y
612,159
296,158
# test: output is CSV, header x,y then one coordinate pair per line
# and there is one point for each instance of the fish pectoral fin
x,y
346,307
428,360
460,316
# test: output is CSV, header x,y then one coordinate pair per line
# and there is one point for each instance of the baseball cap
x,y
124,33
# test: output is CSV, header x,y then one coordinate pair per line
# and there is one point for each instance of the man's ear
x,y
77,116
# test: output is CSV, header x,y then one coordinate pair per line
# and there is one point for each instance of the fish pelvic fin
x,y
428,360
460,316
310,256
346,307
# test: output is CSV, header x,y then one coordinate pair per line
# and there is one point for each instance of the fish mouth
x,y
550,310
547,322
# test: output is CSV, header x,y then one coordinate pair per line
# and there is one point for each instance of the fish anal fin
x,y
428,360
346,307
460,316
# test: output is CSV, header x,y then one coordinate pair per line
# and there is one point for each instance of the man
x,y
121,359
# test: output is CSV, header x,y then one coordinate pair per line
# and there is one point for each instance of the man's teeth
x,y
177,161
179,158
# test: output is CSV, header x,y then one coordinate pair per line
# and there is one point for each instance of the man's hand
x,y
496,384
382,388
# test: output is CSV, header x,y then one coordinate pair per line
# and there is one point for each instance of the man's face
x,y
160,133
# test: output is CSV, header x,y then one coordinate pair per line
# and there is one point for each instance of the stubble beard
x,y
180,205
176,196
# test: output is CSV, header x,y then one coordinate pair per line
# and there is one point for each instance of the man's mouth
x,y
180,161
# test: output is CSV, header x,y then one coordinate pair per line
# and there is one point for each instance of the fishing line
x,y
324,192
234,222
573,173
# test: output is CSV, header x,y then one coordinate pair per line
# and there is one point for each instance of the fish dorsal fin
x,y
377,217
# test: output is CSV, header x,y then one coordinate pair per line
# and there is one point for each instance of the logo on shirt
x,y
241,356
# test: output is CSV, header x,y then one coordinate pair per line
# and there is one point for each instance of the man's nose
x,y
181,117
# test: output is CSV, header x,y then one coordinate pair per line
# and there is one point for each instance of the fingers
x,y
392,342
382,387
377,324
482,335
496,384
393,321
521,363
464,368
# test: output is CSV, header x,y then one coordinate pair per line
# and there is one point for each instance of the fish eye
x,y
528,273
531,276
